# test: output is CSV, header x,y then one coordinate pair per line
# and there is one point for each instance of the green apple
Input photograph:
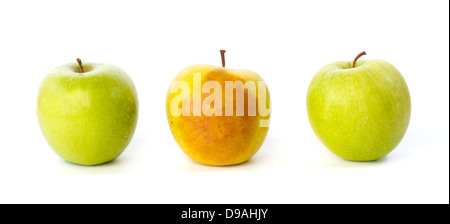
x,y
360,111
87,112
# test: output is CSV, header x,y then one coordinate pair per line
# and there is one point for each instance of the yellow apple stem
x,y
81,65
222,54
357,57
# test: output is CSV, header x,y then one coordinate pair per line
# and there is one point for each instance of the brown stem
x,y
357,57
222,54
81,65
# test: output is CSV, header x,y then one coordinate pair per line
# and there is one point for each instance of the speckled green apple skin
x,y
87,118
361,113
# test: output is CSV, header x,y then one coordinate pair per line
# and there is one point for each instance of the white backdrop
x,y
286,42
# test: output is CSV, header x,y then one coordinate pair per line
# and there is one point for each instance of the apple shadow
x,y
111,167
339,162
105,164
199,167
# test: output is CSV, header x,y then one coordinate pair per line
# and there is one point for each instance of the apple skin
x,y
361,113
87,118
217,140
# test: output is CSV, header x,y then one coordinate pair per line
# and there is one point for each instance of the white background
x,y
286,42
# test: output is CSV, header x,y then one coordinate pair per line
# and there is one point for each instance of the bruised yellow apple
x,y
218,116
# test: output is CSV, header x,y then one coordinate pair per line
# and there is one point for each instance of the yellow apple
x,y
218,116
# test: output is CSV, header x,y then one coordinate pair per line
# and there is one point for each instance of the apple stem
x,y
80,64
222,54
357,57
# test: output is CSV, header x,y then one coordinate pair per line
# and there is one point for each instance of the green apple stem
x,y
80,64
222,54
357,57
